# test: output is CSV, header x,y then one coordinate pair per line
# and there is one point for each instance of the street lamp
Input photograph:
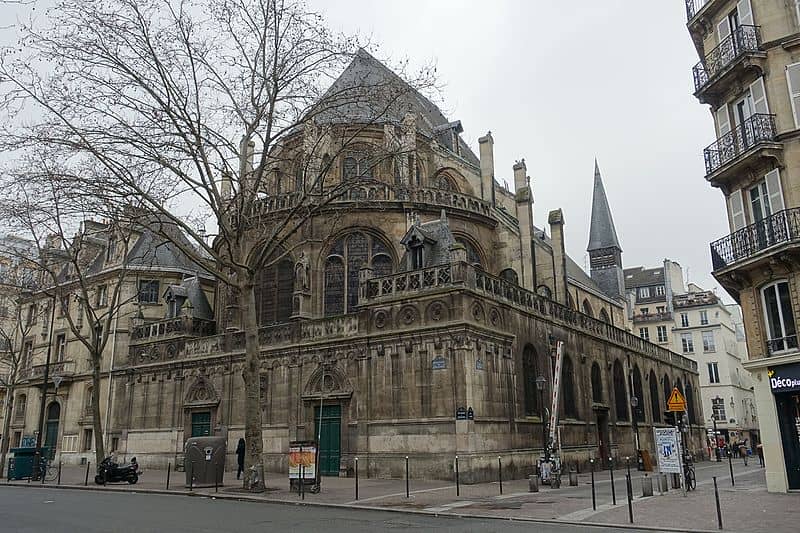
x,y
635,410
540,381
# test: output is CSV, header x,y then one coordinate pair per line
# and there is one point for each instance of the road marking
x,y
449,506
354,502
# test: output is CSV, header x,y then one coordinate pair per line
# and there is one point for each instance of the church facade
x,y
432,297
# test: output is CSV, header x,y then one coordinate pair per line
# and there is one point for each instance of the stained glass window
x,y
473,256
529,381
620,392
345,258
273,292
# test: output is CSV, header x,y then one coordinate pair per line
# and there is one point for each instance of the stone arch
x,y
655,402
201,394
667,387
458,183
597,383
587,308
510,275
638,391
475,253
603,316
342,258
327,379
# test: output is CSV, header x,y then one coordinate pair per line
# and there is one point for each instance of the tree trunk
x,y
252,386
97,428
6,437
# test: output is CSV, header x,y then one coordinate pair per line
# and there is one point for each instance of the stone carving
x,y
302,273
407,315
381,318
477,312
202,392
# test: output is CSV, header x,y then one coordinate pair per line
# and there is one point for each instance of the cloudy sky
x,y
560,83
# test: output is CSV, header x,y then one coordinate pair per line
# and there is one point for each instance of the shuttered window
x,y
759,95
736,209
793,80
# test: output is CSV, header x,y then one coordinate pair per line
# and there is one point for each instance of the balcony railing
x,y
782,227
693,7
782,344
653,317
372,191
757,129
743,40
58,368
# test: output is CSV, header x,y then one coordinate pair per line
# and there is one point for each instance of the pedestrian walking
x,y
240,458
760,452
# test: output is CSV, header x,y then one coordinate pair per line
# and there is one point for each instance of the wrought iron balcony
x,y
782,344
757,129
742,41
693,7
58,368
653,317
781,228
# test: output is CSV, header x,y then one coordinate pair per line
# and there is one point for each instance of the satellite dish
x,y
57,380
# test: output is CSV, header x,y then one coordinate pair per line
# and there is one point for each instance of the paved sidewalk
x,y
745,507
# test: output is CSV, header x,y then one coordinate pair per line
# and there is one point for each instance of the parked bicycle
x,y
47,470
689,475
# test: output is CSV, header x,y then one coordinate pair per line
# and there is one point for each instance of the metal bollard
x,y
613,490
59,473
533,483
594,498
730,464
630,497
302,482
647,486
169,468
191,477
86,480
573,478
216,483
500,473
407,492
719,510
356,469
458,487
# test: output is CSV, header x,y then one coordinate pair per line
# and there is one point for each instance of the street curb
x,y
255,499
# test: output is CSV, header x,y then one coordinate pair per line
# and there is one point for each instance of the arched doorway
x,y
51,427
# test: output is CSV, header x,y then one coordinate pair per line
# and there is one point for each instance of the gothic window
x,y
544,290
345,258
638,411
571,302
679,385
510,276
356,165
444,183
274,286
529,381
568,388
620,392
655,403
603,316
597,384
690,403
587,308
667,387
473,256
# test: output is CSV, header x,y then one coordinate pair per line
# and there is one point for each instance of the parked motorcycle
x,y
109,471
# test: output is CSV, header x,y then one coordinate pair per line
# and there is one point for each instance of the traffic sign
x,y
676,402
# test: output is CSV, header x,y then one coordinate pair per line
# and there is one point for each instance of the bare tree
x,y
82,265
212,104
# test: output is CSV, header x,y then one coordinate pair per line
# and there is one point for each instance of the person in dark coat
x,y
240,458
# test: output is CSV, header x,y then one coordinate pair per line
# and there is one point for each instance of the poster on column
x,y
668,450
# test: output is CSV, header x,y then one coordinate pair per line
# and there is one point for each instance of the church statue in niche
x,y
302,274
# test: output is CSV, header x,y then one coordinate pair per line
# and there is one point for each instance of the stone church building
x,y
437,294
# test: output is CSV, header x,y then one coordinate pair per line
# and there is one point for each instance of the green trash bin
x,y
21,465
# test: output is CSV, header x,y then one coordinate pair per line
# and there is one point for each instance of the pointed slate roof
x,y
602,233
368,91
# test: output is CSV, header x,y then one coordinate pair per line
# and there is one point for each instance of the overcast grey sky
x,y
560,83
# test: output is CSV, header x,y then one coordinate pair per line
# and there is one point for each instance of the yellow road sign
x,y
676,402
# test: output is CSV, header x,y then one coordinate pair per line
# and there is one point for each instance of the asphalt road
x,y
29,509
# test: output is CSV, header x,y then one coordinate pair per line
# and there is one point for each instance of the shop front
x,y
784,383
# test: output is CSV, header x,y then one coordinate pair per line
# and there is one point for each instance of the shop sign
x,y
784,378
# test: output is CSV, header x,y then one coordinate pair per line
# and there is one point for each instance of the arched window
x,y
510,276
473,255
274,286
667,388
571,302
603,316
22,405
638,412
345,258
444,183
568,388
299,175
620,392
544,290
356,165
587,308
597,384
529,381
655,403
679,386
690,403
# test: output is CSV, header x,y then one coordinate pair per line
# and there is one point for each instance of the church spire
x,y
602,233
605,253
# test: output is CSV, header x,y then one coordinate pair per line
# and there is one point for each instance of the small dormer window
x,y
417,256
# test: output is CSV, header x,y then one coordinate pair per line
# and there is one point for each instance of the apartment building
x,y
749,76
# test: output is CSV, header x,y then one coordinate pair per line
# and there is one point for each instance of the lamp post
x,y
540,381
635,412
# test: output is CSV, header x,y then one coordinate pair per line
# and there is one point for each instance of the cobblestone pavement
x,y
745,507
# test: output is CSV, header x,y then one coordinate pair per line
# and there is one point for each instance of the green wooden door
x,y
330,438
51,428
201,424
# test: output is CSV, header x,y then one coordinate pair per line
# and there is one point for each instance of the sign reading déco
x,y
784,378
